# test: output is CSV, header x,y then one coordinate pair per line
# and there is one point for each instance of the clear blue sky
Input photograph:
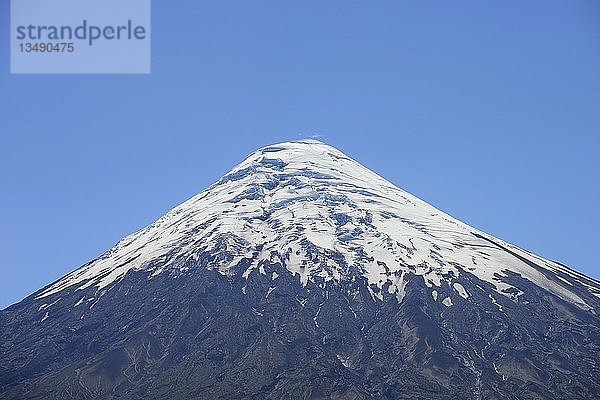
x,y
488,110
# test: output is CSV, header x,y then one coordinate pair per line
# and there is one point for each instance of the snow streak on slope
x,y
322,215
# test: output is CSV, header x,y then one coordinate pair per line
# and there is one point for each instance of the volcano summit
x,y
302,274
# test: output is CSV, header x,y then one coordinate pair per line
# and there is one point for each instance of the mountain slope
x,y
301,273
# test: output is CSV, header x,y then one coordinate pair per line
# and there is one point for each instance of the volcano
x,y
301,274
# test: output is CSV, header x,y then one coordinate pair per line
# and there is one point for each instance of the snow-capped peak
x,y
324,217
